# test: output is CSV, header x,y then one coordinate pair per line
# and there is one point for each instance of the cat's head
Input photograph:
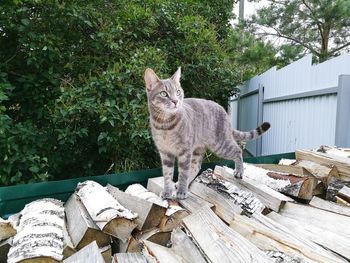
x,y
165,94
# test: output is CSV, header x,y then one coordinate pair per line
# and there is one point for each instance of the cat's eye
x,y
178,92
163,94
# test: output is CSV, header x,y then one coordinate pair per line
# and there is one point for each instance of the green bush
x,y
72,96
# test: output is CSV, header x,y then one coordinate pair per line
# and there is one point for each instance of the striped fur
x,y
185,128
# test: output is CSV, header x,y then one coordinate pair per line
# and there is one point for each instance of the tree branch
x,y
279,34
339,48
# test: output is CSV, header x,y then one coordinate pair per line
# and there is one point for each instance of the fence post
x,y
260,118
342,126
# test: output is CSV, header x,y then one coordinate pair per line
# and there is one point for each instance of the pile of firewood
x,y
294,211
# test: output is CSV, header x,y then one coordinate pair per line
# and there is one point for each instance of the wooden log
x,y
342,202
285,169
218,242
173,216
325,238
342,164
129,258
89,253
270,198
300,187
81,228
108,214
329,206
149,213
182,245
68,247
192,203
269,235
244,199
286,161
334,187
155,235
344,193
39,235
338,224
278,256
159,254
324,173
106,253
6,229
144,193
225,208
333,150
5,246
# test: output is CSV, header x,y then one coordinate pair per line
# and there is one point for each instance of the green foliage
x,y
72,96
318,27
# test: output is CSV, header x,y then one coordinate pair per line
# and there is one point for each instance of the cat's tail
x,y
250,135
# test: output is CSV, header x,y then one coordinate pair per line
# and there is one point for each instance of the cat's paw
x,y
176,185
181,195
238,174
166,195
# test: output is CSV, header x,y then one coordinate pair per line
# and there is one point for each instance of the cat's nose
x,y
175,102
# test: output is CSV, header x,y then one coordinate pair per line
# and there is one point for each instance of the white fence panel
x,y
301,101
300,123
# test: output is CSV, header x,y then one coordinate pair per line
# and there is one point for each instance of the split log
x,y
225,208
129,258
68,247
39,235
5,246
192,203
6,229
286,161
342,202
338,224
218,242
329,206
159,254
333,150
144,193
285,169
266,234
280,257
81,228
270,198
334,187
332,241
149,213
134,244
182,245
342,163
235,196
89,253
173,216
300,187
182,249
108,214
106,253
344,193
324,173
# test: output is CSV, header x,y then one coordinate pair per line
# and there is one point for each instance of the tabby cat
x,y
185,128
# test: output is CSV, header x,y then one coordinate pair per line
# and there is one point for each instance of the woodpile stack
x,y
276,213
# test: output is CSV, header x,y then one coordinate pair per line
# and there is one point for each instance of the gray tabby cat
x,y
185,128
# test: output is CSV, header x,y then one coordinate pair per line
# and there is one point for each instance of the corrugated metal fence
x,y
307,105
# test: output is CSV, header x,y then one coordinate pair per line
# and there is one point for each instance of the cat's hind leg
x,y
196,163
229,149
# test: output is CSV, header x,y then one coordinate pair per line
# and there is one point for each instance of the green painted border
x,y
14,198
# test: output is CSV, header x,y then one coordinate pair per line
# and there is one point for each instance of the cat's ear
x,y
177,75
151,79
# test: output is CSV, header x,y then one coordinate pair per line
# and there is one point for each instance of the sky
x,y
249,7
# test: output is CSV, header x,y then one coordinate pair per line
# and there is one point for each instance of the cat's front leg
x,y
184,174
168,161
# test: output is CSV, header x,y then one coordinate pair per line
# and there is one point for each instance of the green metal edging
x,y
14,198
